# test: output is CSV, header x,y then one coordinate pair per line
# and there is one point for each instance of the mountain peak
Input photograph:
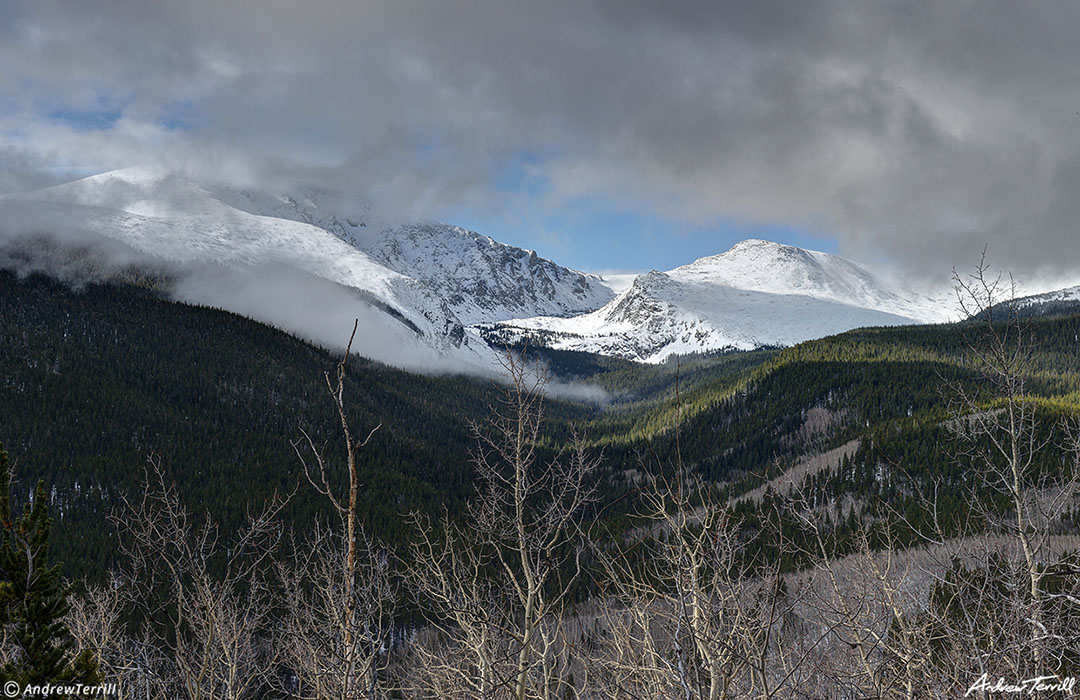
x,y
757,248
757,243
756,253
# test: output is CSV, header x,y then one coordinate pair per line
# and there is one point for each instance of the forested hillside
x,y
714,487
97,379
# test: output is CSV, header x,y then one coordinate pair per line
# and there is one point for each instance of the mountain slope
x,y
1059,302
757,294
95,380
481,279
764,266
278,270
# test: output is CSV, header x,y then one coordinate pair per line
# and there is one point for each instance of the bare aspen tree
x,y
337,650
688,614
497,583
338,594
136,665
96,621
1001,437
204,602
868,604
691,614
970,599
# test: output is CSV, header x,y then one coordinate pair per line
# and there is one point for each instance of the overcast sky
x,y
615,134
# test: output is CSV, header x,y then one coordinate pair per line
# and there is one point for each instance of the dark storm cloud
x,y
917,131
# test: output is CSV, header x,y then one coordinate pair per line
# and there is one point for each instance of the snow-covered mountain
x,y
757,294
416,285
345,217
484,280
430,294
1067,295
764,266
175,222
480,278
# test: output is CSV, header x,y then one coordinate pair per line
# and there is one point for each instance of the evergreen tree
x,y
33,598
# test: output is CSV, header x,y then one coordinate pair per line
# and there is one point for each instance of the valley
x,y
168,359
